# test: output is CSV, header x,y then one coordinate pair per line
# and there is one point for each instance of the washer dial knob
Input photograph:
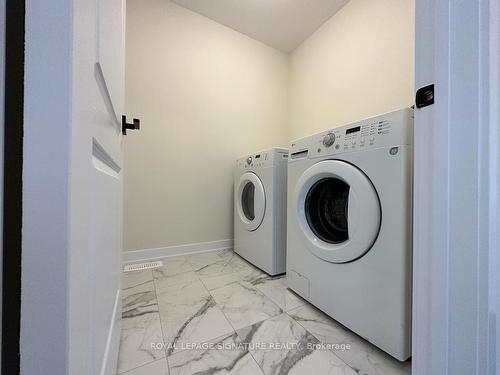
x,y
328,139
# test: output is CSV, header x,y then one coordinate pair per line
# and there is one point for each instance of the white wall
x,y
205,95
358,64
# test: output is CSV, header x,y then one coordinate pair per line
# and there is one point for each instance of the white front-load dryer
x,y
260,209
349,226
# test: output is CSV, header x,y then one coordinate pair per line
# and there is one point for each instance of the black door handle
x,y
135,125
425,96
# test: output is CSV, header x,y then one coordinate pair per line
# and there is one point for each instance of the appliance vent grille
x,y
142,266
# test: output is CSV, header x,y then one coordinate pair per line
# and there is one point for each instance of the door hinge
x,y
424,96
135,125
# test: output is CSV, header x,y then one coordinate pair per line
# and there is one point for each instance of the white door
x,y
106,194
250,201
338,210
73,182
456,189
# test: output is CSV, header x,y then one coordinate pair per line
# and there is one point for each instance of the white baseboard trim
x,y
110,361
164,252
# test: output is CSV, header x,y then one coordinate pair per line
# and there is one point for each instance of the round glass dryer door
x,y
250,201
338,211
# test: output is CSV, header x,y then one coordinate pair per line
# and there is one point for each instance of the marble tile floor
x,y
214,313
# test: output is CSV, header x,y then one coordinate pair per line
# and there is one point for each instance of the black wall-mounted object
x,y
135,125
424,96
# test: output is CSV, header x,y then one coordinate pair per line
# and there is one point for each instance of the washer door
x,y
250,201
338,211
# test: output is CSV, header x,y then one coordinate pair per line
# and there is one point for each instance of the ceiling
x,y
282,24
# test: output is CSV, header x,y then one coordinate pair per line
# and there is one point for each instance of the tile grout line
x,y
154,287
349,333
236,333
161,325
250,325
317,338
211,296
161,320
253,287
138,367
204,286
248,350
153,280
231,324
282,308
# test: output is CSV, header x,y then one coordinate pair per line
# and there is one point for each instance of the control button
x,y
337,146
362,140
328,139
249,160
372,139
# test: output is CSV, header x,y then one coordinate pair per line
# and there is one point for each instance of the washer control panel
x,y
394,128
329,139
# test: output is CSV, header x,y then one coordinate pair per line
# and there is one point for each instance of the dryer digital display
x,y
353,130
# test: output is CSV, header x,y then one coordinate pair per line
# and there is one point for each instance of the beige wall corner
x,y
205,95
360,63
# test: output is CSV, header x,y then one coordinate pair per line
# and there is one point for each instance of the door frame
x,y
2,130
456,225
12,125
47,155
454,303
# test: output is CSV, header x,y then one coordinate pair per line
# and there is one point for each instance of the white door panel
x,y
72,187
105,241
106,156
109,74
111,48
97,212
106,127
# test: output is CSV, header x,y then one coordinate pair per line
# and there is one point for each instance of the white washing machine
x,y
349,227
260,209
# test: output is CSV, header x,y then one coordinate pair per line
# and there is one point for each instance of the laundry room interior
x,y
272,178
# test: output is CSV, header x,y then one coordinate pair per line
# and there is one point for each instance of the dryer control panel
x,y
387,130
262,159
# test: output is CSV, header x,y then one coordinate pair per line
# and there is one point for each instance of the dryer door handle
x,y
352,213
